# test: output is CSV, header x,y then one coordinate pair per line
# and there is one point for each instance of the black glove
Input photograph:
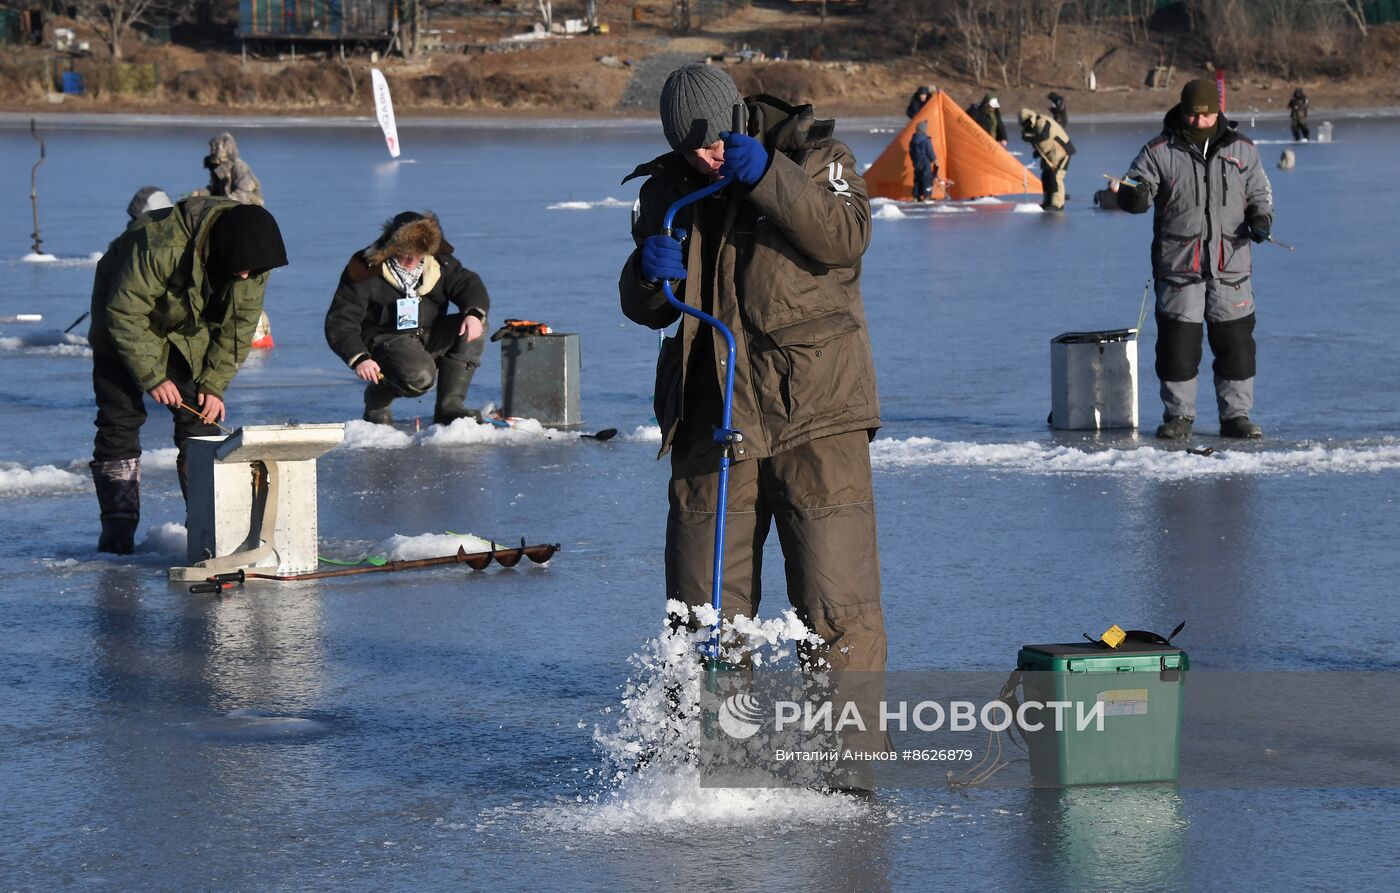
x,y
1259,230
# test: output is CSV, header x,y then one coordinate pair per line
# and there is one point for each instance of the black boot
x,y
1175,428
118,483
378,398
453,380
1240,427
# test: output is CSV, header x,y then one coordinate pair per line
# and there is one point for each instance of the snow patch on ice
x,y
159,460
18,480
1027,208
429,545
608,202
362,435
165,539
53,260
890,212
1148,462
48,343
985,200
643,434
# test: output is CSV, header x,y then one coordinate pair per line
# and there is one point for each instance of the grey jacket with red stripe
x,y
1204,202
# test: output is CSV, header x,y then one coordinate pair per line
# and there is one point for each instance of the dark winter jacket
x,y
989,119
917,103
1204,202
921,153
784,257
364,309
1298,109
152,293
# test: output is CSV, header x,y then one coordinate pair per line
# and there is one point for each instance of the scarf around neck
x,y
408,281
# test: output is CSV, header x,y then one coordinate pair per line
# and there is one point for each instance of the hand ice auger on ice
x,y
725,435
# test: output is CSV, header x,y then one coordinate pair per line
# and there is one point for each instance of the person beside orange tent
x,y
925,162
1053,147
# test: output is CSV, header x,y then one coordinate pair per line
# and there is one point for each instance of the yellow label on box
x,y
1124,702
1113,637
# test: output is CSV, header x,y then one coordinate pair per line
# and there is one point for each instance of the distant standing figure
x,y
1058,111
987,114
1212,198
229,175
1053,147
925,162
392,320
1298,115
918,101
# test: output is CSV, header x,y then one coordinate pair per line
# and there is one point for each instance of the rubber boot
x,y
118,484
453,380
1240,427
1175,428
378,398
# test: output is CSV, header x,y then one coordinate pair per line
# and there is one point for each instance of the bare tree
x,y
113,18
1353,9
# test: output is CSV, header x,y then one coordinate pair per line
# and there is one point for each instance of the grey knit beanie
x,y
148,198
696,104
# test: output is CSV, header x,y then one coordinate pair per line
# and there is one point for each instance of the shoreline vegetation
x,y
854,61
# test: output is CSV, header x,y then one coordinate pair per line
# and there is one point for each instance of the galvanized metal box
x,y
1093,380
540,377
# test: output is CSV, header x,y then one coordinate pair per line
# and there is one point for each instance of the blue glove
x,y
1259,231
662,257
745,159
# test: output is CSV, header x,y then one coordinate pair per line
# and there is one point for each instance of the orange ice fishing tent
x,y
976,164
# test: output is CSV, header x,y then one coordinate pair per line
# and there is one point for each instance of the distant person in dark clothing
x,y
987,114
918,101
1058,110
925,163
1298,115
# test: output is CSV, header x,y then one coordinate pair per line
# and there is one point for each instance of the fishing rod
x,y
477,561
188,408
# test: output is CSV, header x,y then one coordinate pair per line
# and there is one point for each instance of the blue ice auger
x,y
724,434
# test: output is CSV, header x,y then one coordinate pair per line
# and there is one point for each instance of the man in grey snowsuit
x,y
1212,198
229,175
776,256
925,162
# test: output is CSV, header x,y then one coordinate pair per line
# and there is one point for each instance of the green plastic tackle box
x,y
1122,716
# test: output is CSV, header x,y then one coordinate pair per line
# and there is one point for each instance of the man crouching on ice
x,y
776,256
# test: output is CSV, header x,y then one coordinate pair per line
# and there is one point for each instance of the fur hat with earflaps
x,y
410,233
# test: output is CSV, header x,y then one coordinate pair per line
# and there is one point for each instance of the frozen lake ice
x,y
437,729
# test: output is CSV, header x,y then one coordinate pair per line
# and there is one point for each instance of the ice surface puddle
x,y
649,780
1148,462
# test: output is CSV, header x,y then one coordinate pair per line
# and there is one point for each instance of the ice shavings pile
x,y
653,751
429,545
361,435
1157,464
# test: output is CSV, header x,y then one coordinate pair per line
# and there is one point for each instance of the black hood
x,y
245,237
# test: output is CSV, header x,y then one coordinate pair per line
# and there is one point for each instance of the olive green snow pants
x,y
820,496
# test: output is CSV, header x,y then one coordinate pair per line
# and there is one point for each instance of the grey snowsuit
x,y
229,175
779,264
1201,258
